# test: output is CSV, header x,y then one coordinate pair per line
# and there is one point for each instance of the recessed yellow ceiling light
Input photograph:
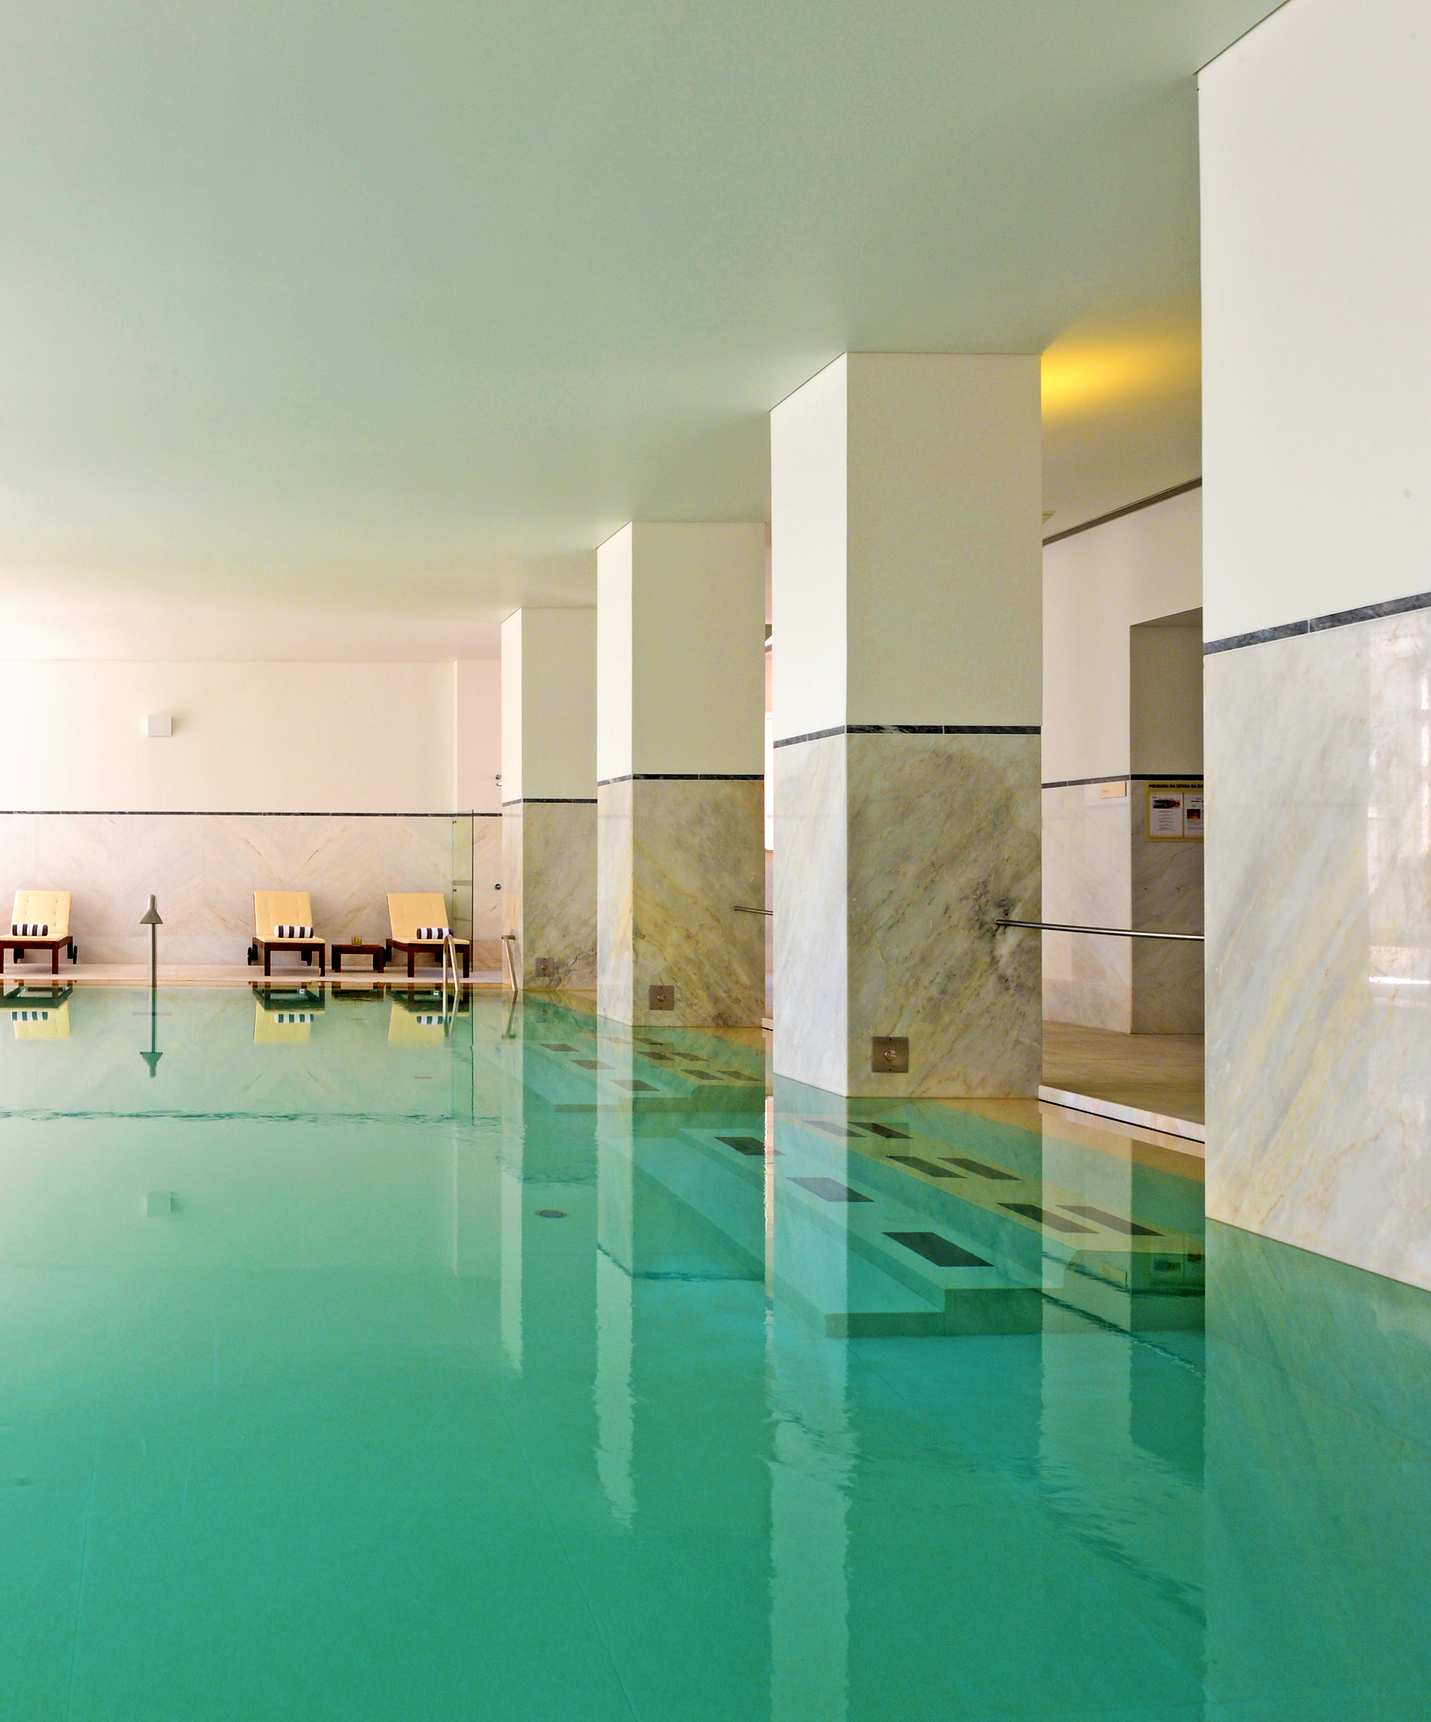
x,y
1083,374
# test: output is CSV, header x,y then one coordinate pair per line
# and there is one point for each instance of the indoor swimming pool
x,y
366,1358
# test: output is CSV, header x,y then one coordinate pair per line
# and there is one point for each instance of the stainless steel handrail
x,y
742,909
1111,932
509,960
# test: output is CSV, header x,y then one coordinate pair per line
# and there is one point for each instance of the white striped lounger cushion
x,y
293,932
434,932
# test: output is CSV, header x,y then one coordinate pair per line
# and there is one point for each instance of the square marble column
x,y
907,654
549,796
680,698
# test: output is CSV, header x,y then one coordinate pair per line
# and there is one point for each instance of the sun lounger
x,y
419,923
283,921
40,921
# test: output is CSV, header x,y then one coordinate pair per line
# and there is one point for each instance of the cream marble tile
x,y
549,859
811,926
1087,881
1168,895
1319,942
674,859
204,869
897,863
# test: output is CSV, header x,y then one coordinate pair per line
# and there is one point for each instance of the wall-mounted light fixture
x,y
158,723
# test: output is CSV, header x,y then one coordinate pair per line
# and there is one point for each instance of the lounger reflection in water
x,y
39,1013
283,921
419,923
39,921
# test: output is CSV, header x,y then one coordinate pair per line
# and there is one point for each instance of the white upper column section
x,y
1316,314
549,706
680,650
905,516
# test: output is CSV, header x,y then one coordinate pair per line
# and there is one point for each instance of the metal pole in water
x,y
152,919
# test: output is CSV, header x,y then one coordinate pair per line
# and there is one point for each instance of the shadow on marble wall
x,y
204,869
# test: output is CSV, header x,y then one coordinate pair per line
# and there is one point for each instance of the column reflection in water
x,y
615,1244
807,1275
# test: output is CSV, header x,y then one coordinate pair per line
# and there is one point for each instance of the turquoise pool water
x,y
365,1361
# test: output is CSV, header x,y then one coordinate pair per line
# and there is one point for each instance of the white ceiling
x,y
341,329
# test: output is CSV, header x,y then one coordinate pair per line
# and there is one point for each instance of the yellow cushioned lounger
x,y
48,909
273,909
409,910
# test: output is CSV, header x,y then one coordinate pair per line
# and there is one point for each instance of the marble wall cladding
x,y
486,891
1087,881
1167,893
549,895
1319,942
674,856
615,861
904,854
811,926
204,869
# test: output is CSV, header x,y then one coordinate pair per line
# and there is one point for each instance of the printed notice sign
x,y
1175,811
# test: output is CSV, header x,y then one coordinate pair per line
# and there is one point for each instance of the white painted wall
x,y
477,735
1097,586
905,496
248,737
680,649
549,705
1316,307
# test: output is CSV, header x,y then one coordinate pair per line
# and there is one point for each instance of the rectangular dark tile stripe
x,y
979,1168
1126,777
831,1190
557,1046
637,1087
841,1130
1321,624
591,1064
887,1130
937,1249
1054,1222
1114,1222
929,1167
911,729
683,777
751,1145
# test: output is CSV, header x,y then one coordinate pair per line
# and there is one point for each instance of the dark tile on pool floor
x,y
979,1168
927,1166
832,1190
1055,1222
1113,1222
751,1145
637,1086
937,1249
889,1131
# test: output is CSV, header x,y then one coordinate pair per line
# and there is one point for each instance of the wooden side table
x,y
377,952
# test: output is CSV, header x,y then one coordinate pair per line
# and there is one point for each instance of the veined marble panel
x,y
549,894
1319,942
1087,882
204,869
811,981
675,856
932,837
615,851
1167,879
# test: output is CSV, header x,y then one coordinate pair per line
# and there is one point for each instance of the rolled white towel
x,y
434,933
293,932
29,930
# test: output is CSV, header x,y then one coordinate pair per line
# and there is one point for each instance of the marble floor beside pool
x,y
371,1356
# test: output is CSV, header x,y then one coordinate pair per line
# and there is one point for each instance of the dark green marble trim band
x,y
1321,624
